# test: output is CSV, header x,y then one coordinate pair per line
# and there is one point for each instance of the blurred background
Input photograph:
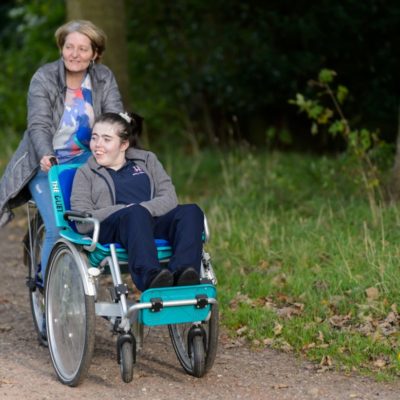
x,y
303,206
215,72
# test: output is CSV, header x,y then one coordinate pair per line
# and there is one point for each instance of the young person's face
x,y
77,52
106,146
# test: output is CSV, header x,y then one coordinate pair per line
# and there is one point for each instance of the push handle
x,y
53,161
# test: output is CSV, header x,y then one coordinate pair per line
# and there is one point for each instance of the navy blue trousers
x,y
135,229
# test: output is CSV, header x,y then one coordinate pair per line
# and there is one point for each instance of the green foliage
x,y
360,142
301,265
203,72
342,93
212,70
326,76
26,42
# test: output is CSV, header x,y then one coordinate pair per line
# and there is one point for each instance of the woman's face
x,y
77,52
106,146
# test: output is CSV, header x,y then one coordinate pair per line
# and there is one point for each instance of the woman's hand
x,y
46,163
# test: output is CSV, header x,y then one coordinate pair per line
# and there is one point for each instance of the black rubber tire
x,y
179,338
36,294
70,315
126,366
198,356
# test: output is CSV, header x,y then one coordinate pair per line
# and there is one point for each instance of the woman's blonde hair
x,y
96,35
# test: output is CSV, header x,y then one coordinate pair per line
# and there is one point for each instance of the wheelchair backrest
x,y
61,178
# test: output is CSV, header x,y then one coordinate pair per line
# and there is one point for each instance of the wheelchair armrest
x,y
79,214
85,218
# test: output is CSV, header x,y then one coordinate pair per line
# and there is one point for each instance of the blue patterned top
x,y
73,135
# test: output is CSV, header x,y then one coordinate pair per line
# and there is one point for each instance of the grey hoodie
x,y
45,108
93,189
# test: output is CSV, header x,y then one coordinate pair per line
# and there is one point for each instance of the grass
x,y
302,265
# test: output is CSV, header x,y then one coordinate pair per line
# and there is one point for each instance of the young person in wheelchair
x,y
130,193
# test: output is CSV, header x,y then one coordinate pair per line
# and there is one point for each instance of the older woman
x,y
64,98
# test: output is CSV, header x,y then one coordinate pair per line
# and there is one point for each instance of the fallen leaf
x,y
277,329
268,341
372,293
335,300
264,264
240,299
268,303
326,361
392,318
308,346
242,330
291,310
340,321
283,298
279,280
380,363
285,346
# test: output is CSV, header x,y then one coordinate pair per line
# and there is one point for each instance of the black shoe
x,y
163,278
187,277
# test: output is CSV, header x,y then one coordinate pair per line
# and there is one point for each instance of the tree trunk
x,y
394,185
109,16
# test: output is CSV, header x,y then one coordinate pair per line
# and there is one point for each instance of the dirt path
x,y
238,373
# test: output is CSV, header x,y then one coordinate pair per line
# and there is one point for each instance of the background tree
x,y
394,184
26,42
110,16
203,72
230,69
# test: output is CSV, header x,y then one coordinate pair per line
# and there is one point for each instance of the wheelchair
x,y
84,280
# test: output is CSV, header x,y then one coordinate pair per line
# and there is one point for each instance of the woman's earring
x,y
92,62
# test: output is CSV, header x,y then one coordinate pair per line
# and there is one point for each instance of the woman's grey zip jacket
x,y
46,97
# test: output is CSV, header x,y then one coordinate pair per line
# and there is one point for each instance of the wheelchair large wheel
x,y
34,283
196,344
70,315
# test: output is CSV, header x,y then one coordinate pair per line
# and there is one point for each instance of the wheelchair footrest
x,y
177,305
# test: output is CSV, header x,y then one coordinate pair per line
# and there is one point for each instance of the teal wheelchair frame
x,y
74,295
